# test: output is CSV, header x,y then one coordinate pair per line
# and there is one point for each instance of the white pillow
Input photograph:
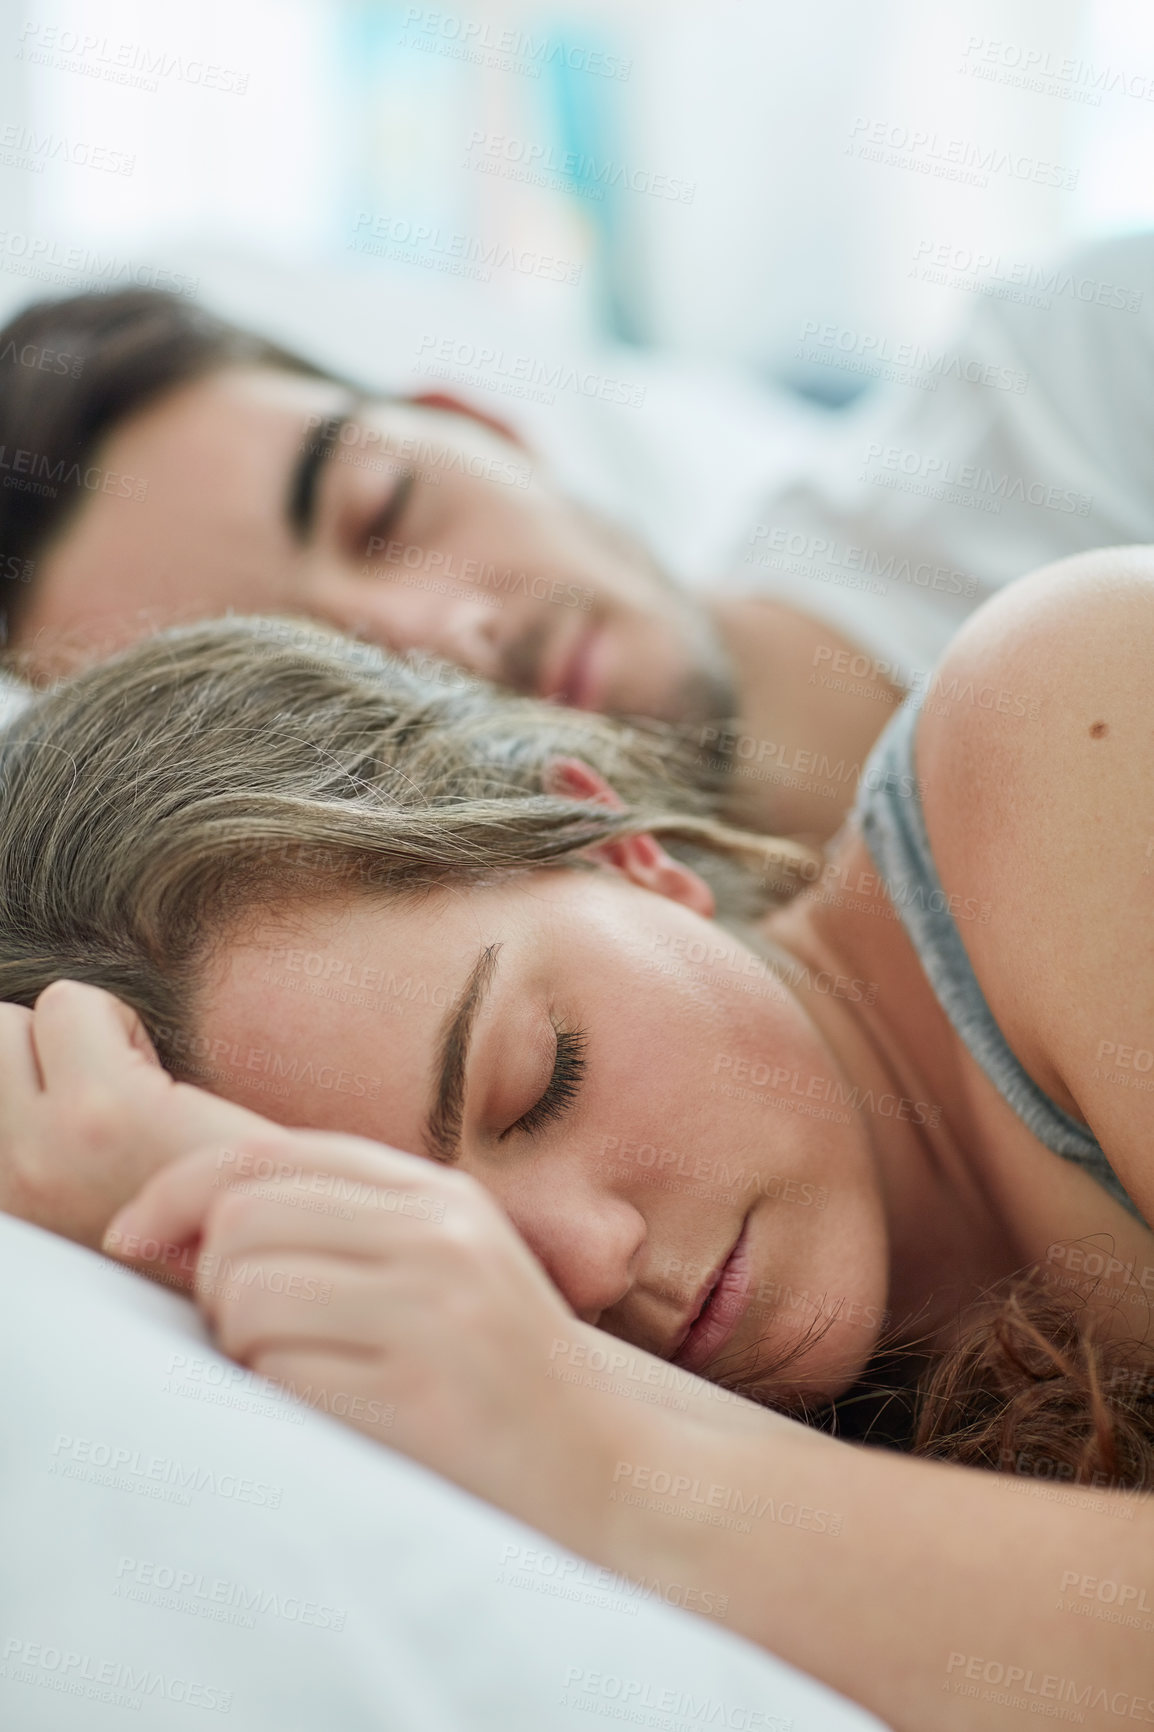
x,y
683,452
182,1542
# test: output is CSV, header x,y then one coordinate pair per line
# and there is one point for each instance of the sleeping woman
x,y
638,1154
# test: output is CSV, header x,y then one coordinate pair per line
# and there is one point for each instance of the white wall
x,y
759,104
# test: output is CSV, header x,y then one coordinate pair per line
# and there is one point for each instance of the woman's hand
x,y
393,1293
87,1114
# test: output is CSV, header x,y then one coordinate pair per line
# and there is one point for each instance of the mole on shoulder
x,y
1098,730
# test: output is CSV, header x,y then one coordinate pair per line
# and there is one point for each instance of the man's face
x,y
414,527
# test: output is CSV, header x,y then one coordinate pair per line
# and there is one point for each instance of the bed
x,y
182,1542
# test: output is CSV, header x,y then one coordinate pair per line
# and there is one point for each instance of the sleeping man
x,y
192,468
160,466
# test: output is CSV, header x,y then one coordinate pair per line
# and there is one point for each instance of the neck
x,y
804,731
947,1242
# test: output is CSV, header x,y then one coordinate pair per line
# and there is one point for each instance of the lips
x,y
572,683
725,1304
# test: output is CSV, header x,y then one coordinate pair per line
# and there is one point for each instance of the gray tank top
x,y
889,810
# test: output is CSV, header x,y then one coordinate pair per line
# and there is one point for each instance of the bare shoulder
x,y
1036,753
1052,677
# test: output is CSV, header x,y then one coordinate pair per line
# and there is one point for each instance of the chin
x,y
810,1364
685,674
686,697
800,1388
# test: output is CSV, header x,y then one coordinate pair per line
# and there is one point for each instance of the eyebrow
x,y
442,1129
304,479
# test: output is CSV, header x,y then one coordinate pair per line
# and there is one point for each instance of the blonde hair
x,y
148,803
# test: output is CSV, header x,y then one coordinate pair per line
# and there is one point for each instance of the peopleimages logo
x,y
483,365
482,43
775,1079
35,472
911,363
575,170
133,63
886,567
992,274
42,360
454,250
178,1589
925,151
1039,69
1020,1686
702,1498
23,147
921,471
51,261
119,1683
645,1703
124,1468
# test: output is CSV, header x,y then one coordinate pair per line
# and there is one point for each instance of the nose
x,y
588,1245
468,633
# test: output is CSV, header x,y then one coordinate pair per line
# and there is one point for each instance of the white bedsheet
x,y
179,1547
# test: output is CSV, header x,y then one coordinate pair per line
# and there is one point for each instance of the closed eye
x,y
382,526
562,1089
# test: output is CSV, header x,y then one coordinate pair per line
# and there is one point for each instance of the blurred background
x,y
767,194
699,175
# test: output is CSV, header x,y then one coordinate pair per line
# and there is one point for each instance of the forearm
x,y
923,1591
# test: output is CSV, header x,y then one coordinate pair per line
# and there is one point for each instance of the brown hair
x,y
1039,1384
70,372
203,773
1036,1382
156,799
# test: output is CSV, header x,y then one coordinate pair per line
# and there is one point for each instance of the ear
x,y
451,405
641,859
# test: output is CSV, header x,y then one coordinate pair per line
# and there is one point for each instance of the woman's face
x,y
641,1096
